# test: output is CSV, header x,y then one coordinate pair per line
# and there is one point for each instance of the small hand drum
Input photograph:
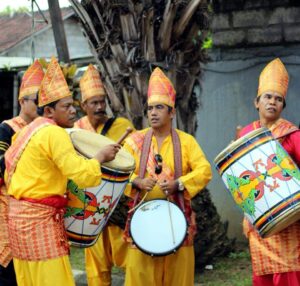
x,y
158,227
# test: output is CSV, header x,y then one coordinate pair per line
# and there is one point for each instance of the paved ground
x,y
80,278
117,279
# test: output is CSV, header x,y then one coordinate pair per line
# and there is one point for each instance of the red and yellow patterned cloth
x,y
32,79
279,253
91,84
279,129
274,77
276,254
160,89
36,231
54,85
16,123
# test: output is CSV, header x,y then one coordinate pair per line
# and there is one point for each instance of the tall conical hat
x,y
91,84
274,77
31,80
160,89
54,85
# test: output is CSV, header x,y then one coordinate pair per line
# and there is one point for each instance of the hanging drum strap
x,y
178,166
143,160
177,162
107,125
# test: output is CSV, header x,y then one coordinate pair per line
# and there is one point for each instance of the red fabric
x,y
277,279
291,144
57,202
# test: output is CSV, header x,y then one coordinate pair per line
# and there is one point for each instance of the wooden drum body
x,y
89,209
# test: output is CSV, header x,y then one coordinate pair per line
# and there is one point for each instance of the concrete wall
x,y
229,87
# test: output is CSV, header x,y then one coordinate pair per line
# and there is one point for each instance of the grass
x,y
234,270
77,258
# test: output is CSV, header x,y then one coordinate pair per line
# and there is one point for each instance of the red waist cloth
x,y
57,202
36,228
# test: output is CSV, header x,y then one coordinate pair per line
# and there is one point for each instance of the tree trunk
x,y
211,240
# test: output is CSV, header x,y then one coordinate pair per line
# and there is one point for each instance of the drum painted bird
x,y
249,186
83,204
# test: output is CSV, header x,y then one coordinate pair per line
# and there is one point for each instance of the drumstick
x,y
171,221
127,132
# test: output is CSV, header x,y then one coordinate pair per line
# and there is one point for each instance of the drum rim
x,y
237,143
161,253
108,165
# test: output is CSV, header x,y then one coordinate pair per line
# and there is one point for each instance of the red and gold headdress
x,y
91,84
274,77
31,80
54,85
160,89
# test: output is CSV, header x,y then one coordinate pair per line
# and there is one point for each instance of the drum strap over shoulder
x,y
146,150
107,125
177,159
145,153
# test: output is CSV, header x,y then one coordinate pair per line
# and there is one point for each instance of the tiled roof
x,y
16,28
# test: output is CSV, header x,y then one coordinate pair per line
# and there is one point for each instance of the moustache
x,y
100,113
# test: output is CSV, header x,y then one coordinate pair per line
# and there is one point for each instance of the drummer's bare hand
x,y
107,153
146,184
169,187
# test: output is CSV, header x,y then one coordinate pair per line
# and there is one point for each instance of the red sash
x,y
279,129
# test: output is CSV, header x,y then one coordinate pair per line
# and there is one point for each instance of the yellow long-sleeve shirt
x,y
46,164
115,131
196,170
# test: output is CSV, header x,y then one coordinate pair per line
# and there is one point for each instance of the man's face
x,y
159,115
64,113
29,107
95,107
269,105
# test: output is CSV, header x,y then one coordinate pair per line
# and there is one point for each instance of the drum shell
x,y
263,181
89,209
158,230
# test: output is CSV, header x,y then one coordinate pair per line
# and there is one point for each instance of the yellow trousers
x,y
51,272
171,270
109,250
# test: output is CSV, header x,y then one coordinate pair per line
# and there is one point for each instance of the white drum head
x,y
158,227
88,143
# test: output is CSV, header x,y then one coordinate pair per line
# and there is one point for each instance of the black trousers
x,y
7,275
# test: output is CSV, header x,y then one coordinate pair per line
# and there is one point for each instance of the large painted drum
x,y
263,181
158,227
89,209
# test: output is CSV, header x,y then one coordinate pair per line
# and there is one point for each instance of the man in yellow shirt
x,y
31,82
184,171
38,165
110,248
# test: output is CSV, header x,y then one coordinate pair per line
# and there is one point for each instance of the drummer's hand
x,y
107,153
146,184
169,187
